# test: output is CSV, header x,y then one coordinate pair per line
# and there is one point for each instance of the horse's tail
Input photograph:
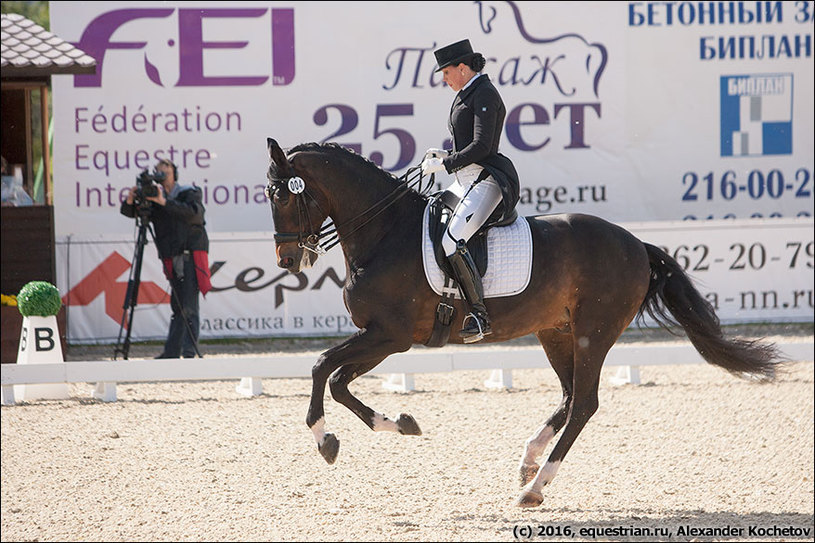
x,y
671,288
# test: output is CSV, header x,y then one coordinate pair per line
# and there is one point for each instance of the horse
x,y
590,278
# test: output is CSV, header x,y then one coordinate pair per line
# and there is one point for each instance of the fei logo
x,y
191,44
756,115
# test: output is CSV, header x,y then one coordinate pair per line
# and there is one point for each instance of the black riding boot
x,y
477,323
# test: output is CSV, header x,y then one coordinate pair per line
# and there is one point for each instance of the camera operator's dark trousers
x,y
184,303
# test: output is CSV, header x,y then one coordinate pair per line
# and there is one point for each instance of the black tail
x,y
673,300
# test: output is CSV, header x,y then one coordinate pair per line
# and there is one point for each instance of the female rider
x,y
485,180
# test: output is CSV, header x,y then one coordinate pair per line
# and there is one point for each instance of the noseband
x,y
309,239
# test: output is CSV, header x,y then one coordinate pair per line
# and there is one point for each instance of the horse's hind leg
x,y
589,353
559,348
377,422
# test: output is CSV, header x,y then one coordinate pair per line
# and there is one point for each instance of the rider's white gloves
x,y
432,165
436,153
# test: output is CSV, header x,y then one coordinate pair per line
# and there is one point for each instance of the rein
x,y
310,239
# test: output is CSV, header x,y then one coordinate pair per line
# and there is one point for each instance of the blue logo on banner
x,y
756,115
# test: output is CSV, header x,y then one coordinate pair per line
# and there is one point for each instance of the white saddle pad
x,y
509,265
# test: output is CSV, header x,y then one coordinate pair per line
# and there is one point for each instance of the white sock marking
x,y
384,424
545,475
319,431
536,444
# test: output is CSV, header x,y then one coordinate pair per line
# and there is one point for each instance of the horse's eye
x,y
277,193
281,195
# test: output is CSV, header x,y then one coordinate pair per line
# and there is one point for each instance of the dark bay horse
x,y
590,279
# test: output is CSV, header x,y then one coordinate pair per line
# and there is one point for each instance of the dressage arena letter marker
x,y
39,344
44,339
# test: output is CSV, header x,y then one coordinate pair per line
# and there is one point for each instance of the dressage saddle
x,y
442,205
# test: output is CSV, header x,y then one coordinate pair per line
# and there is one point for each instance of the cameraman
x,y
177,213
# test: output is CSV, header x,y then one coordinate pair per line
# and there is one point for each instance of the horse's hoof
x,y
530,499
528,473
329,448
407,425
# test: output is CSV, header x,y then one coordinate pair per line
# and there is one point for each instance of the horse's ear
x,y
277,155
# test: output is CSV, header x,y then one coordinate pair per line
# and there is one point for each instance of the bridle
x,y
306,239
310,238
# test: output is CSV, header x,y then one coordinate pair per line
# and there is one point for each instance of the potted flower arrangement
x,y
39,299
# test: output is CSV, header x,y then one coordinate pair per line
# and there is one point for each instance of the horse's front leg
x,y
377,422
367,348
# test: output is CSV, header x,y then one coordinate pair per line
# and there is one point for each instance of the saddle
x,y
440,211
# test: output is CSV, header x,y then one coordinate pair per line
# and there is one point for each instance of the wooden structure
x,y
30,56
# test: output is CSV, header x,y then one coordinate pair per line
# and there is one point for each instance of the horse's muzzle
x,y
288,256
295,259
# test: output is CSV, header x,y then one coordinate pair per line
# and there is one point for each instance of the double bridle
x,y
309,239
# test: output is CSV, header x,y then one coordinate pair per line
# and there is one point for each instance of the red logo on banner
x,y
102,280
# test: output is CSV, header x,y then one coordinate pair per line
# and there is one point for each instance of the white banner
x,y
632,111
251,296
751,271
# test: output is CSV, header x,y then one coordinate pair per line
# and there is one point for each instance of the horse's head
x,y
296,211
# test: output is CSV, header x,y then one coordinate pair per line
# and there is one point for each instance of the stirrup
x,y
470,334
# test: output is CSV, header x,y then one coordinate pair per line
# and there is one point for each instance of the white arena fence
x,y
104,375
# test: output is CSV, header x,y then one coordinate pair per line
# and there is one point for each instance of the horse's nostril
x,y
286,262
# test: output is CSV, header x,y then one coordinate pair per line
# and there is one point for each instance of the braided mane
x,y
337,149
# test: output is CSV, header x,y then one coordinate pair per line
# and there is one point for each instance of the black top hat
x,y
453,54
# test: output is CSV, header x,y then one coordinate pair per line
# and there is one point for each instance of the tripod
x,y
132,293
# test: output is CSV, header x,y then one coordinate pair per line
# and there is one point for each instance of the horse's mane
x,y
336,149
333,148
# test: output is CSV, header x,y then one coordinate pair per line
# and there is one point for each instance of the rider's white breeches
x,y
477,204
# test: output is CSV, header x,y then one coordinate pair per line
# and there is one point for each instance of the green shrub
x,y
39,299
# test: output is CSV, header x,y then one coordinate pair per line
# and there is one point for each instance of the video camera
x,y
147,184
